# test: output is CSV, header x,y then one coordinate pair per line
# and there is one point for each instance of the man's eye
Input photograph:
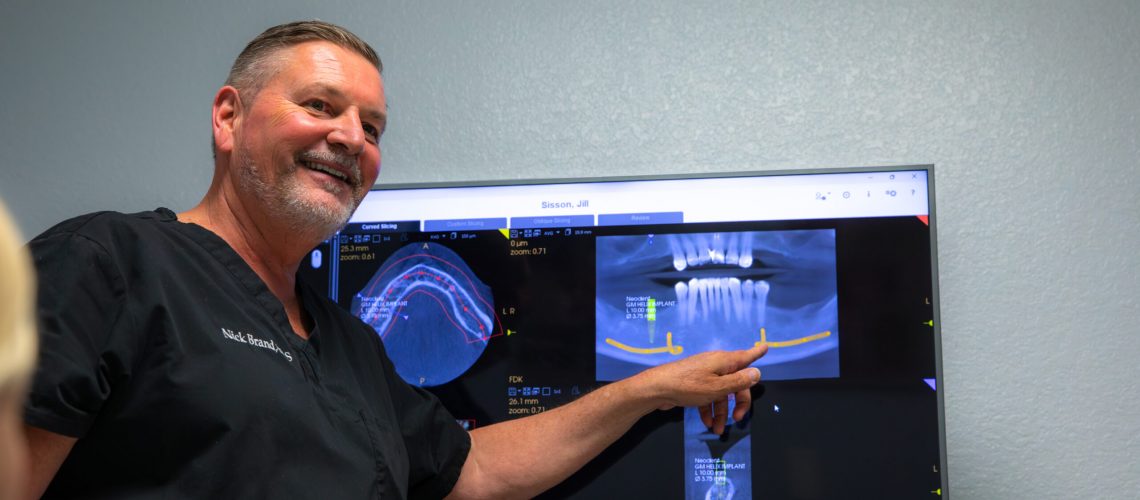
x,y
371,131
318,105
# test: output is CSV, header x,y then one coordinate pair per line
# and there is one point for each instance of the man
x,y
183,359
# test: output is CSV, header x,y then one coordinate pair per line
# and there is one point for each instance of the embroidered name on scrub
x,y
248,338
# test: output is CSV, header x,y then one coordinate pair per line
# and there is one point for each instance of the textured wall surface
x,y
1029,109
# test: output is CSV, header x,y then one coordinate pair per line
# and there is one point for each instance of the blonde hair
x,y
17,315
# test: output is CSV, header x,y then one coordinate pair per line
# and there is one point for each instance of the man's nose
x,y
348,132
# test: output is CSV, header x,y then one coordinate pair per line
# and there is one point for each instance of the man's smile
x,y
336,166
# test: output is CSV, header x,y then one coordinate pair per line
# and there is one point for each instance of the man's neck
x,y
273,252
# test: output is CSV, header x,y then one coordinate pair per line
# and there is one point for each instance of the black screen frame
x,y
929,169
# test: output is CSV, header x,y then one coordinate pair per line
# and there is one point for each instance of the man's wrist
x,y
643,392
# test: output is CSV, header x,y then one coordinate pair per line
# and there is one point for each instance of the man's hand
x,y
570,435
705,381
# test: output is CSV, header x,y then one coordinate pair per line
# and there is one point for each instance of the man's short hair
x,y
257,63
17,307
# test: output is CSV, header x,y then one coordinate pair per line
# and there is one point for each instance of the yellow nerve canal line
x,y
789,343
669,347
676,349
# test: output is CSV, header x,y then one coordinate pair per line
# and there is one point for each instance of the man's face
x,y
307,147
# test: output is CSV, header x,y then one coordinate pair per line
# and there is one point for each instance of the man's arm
x,y
521,458
47,451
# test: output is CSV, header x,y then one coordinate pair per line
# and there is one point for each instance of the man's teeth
x,y
322,168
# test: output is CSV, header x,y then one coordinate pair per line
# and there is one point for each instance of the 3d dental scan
x,y
402,303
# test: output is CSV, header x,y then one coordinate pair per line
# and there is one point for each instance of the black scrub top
x,y
178,370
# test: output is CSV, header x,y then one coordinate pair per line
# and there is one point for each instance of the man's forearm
x,y
523,457
47,451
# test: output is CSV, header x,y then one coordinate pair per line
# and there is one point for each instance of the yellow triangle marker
x,y
509,332
506,233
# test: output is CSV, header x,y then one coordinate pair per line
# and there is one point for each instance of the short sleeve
x,y
80,302
437,446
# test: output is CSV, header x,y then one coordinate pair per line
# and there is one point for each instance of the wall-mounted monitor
x,y
508,299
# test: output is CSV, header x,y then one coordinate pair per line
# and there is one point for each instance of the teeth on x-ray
x,y
682,300
679,262
732,254
704,249
728,298
691,257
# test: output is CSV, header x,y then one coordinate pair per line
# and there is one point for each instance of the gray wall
x,y
1029,108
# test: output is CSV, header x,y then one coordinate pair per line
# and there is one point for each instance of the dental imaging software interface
x,y
510,300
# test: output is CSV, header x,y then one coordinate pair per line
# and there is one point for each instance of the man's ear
x,y
227,110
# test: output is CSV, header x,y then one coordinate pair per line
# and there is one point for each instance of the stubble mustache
x,y
347,162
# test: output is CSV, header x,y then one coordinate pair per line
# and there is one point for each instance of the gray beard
x,y
285,201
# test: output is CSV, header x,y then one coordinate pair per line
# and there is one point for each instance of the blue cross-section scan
x,y
662,297
717,466
433,315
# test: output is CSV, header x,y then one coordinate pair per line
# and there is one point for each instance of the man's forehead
x,y
327,67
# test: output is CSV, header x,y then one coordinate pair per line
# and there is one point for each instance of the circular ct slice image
x,y
432,313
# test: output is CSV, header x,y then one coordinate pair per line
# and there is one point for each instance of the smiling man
x,y
294,155
183,359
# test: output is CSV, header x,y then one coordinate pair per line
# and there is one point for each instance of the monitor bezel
x,y
931,216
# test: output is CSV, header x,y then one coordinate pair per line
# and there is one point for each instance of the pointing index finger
x,y
748,356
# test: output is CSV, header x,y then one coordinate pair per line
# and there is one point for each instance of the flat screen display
x,y
509,299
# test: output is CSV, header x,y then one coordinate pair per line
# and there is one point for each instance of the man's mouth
x,y
320,167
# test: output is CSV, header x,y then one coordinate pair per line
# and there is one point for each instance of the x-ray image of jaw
x,y
662,297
